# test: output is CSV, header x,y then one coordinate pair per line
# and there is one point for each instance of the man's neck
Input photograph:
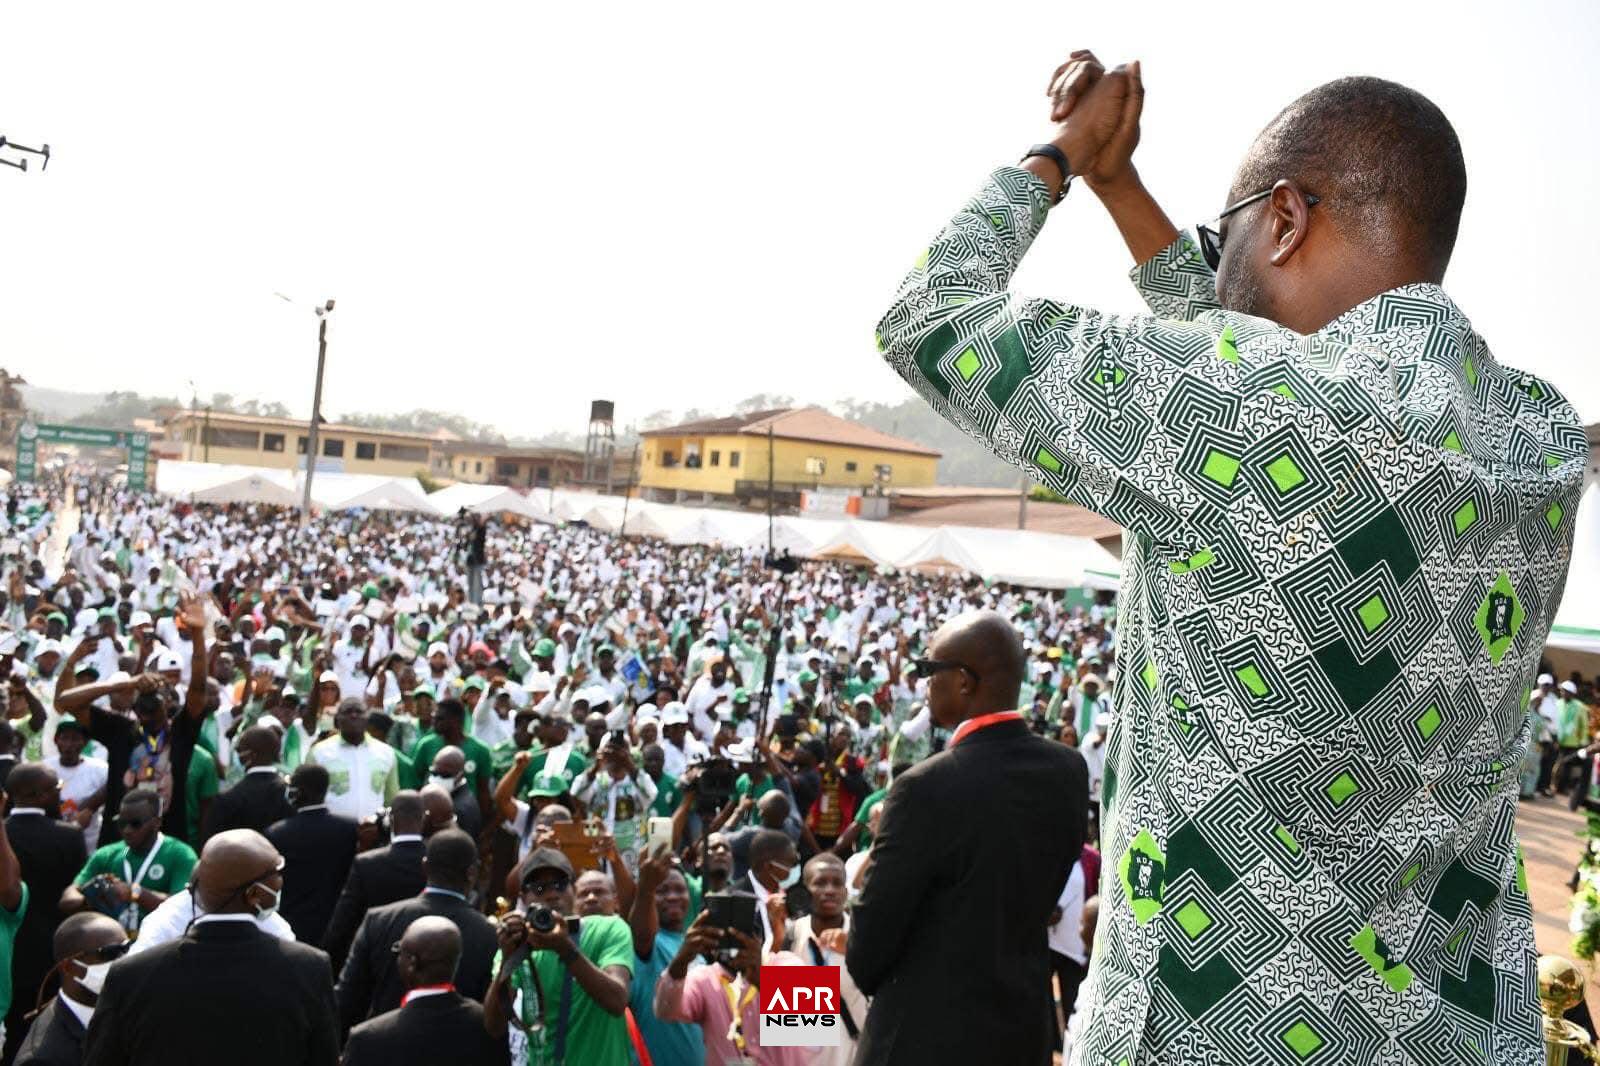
x,y
820,921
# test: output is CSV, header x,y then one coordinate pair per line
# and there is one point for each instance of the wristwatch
x,y
1059,158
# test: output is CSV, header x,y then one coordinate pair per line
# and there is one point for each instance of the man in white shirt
x,y
83,779
676,743
348,656
710,695
172,919
363,773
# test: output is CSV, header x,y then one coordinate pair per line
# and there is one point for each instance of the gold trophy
x,y
1561,989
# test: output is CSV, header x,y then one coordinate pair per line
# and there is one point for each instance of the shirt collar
x,y
983,721
1425,305
423,991
261,770
308,808
202,919
27,810
433,890
80,1011
405,838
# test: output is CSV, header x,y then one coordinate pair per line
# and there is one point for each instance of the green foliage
x,y
964,462
421,421
427,481
1046,494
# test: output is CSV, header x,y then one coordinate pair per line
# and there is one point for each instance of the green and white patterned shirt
x,y
1346,551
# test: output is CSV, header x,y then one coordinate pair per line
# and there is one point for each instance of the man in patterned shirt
x,y
1349,530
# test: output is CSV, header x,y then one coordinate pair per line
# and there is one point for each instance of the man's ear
x,y
1288,217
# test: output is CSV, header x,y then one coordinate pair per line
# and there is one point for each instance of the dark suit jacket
x,y
386,875
226,992
369,984
949,936
317,848
443,1028
256,802
54,1039
51,853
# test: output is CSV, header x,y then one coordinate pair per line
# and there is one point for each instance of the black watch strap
x,y
1059,158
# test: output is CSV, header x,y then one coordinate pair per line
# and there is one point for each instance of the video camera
x,y
713,785
783,562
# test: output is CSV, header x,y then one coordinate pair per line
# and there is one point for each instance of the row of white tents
x,y
1041,560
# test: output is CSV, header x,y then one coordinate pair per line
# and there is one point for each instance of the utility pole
x,y
205,434
316,407
627,497
1022,503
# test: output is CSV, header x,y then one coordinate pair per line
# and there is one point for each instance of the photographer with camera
x,y
568,978
474,547
620,793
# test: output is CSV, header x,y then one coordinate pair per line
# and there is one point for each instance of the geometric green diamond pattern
x,y
1342,788
1194,919
1285,474
1428,722
1302,1040
1251,679
1465,515
1553,515
968,364
1499,617
1220,468
1373,613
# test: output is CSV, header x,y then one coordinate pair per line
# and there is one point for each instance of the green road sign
x,y
30,435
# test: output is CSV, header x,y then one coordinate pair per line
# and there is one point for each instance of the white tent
x,y
1577,623
1019,557
485,499
225,483
374,492
881,543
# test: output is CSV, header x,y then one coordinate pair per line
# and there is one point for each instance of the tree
x,y
762,401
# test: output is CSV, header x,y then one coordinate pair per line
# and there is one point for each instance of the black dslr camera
x,y
542,919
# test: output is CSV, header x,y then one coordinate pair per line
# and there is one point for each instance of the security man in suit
x,y
92,942
369,984
51,853
975,847
434,1023
383,875
258,800
225,990
319,847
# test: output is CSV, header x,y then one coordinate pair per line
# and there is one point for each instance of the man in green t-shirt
x,y
202,784
668,795
133,878
592,975
449,729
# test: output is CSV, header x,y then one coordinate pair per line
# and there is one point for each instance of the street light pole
x,y
316,408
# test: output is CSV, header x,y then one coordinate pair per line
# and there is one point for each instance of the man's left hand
x,y
555,940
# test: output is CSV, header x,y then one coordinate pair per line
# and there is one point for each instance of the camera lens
x,y
541,918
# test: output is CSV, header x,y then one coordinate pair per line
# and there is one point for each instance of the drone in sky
x,y
22,164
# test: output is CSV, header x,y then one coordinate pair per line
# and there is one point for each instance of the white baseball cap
x,y
46,647
1568,686
139,618
326,676
275,633
539,681
1546,679
168,660
438,647
674,713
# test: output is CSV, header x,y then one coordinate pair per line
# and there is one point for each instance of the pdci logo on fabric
x,y
800,1006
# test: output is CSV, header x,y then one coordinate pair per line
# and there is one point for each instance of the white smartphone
x,y
660,835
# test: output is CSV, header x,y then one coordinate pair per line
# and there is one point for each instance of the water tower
x,y
600,444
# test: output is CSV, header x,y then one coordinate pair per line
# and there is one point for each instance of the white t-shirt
x,y
78,783
172,918
1065,937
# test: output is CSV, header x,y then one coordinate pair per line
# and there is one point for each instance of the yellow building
x,y
253,440
726,458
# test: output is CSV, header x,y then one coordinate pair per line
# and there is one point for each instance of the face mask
x,y
790,878
94,977
264,913
446,783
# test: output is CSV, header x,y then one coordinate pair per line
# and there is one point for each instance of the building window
x,y
477,467
542,475
716,458
272,442
217,437
409,453
668,459
333,449
505,469
883,472
366,449
816,467
733,459
463,466
849,468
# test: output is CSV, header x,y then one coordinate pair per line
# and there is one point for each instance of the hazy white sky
x,y
520,207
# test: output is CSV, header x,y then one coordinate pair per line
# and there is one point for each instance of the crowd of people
x,y
496,775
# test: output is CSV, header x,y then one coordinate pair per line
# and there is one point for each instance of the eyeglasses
x,y
1211,239
135,824
539,887
929,667
108,952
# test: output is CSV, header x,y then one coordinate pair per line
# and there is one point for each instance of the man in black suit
x,y
226,991
257,801
385,875
434,1022
975,847
318,846
92,941
369,985
51,853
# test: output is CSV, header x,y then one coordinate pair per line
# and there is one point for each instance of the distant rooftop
x,y
797,423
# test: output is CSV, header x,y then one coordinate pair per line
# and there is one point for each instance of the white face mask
x,y
264,913
446,783
94,977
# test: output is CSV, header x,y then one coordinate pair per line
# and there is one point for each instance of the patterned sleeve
x,y
1176,282
1134,417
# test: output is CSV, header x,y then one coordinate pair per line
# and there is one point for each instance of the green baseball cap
x,y
544,649
750,625
369,591
548,785
741,696
72,723
423,690
805,675
475,682
56,616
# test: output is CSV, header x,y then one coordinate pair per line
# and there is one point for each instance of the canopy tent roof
x,y
220,483
374,492
1577,623
485,499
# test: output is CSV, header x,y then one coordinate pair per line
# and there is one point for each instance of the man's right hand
x,y
512,933
653,870
1107,130
701,938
